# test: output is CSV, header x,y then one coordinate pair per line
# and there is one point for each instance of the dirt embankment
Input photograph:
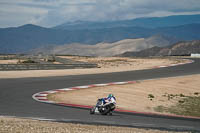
x,y
143,96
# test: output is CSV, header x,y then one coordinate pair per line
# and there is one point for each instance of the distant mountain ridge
x,y
149,22
24,38
177,49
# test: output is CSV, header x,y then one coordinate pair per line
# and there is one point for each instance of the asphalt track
x,y
16,99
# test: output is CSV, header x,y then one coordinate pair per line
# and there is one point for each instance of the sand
x,y
9,61
136,96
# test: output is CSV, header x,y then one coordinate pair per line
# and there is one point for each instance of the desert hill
x,y
180,48
107,49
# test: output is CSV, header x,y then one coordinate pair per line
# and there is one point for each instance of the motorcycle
x,y
102,107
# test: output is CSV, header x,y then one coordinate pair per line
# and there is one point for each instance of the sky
x,y
49,13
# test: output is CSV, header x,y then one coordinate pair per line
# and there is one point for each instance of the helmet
x,y
110,95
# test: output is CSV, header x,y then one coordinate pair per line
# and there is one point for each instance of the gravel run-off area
x,y
19,125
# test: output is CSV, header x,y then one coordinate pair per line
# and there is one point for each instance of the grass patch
x,y
189,106
1,121
151,96
160,109
28,61
171,96
51,60
181,95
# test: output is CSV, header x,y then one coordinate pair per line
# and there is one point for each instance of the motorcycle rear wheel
x,y
106,111
92,111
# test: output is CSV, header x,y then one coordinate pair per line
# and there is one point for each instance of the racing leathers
x,y
111,101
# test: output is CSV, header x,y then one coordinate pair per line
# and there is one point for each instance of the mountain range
x,y
27,37
151,22
106,49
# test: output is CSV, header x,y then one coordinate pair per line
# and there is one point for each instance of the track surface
x,y
16,99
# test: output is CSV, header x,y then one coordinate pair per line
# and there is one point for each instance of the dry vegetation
x,y
125,62
17,125
142,96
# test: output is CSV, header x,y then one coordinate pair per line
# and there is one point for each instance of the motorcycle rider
x,y
112,101
104,105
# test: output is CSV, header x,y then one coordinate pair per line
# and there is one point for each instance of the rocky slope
x,y
180,48
107,49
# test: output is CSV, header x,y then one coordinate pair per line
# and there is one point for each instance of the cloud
x,y
14,14
53,12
